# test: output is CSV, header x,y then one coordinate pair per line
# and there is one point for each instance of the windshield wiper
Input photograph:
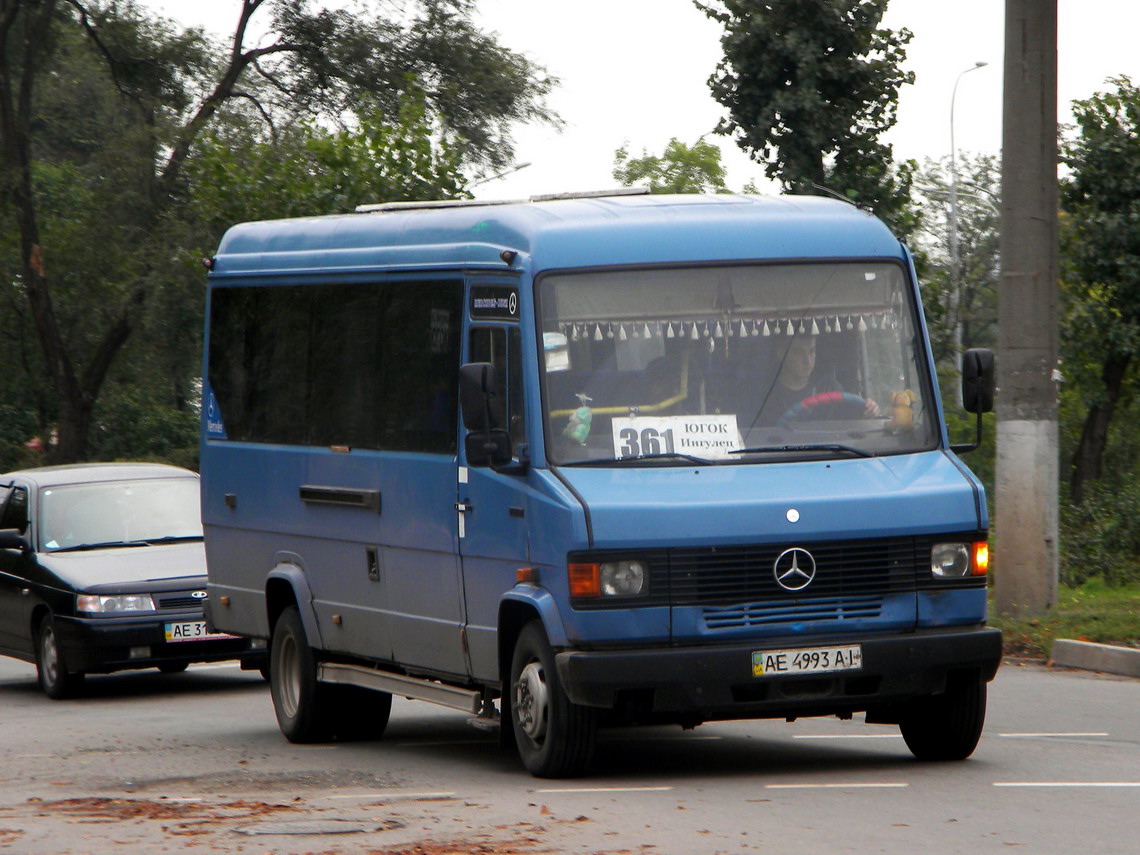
x,y
106,544
820,446
665,455
173,538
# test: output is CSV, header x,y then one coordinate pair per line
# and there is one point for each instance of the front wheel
x,y
51,669
947,726
555,737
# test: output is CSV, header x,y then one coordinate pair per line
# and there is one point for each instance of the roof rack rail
x,y
476,203
592,194
442,203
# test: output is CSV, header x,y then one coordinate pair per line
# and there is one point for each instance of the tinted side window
x,y
369,365
15,512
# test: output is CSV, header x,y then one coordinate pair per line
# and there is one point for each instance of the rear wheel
x,y
51,668
947,726
298,699
173,667
359,713
308,710
555,738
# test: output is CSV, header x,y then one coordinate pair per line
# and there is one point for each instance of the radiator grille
x,y
179,600
859,569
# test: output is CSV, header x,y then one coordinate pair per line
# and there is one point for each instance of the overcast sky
x,y
635,71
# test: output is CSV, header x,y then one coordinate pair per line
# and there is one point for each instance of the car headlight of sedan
x,y
115,603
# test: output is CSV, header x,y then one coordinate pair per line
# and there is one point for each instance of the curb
x,y
1088,656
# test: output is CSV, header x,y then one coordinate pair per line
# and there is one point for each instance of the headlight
x,y
115,603
608,579
954,560
622,578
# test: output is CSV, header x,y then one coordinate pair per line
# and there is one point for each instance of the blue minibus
x,y
592,460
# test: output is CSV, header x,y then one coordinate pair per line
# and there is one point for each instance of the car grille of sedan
x,y
179,600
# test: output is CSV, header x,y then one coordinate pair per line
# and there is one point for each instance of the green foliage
x,y
331,108
131,426
344,62
1100,233
969,300
810,86
680,169
18,427
1100,537
308,170
1101,199
1091,611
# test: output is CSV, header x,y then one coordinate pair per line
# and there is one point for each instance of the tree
x,y
960,314
1101,244
810,86
102,107
680,169
307,169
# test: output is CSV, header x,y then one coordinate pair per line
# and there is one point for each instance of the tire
x,y
555,738
300,702
51,668
173,667
360,713
947,726
310,711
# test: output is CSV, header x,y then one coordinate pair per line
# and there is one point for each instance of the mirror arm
x,y
962,449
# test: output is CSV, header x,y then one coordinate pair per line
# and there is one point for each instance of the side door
x,y
15,588
493,505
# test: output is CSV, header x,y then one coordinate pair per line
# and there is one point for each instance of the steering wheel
x,y
845,400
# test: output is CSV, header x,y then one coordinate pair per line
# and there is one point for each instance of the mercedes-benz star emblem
x,y
794,569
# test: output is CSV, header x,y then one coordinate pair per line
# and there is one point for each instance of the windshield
x,y
117,512
733,364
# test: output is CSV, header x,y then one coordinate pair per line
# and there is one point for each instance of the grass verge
x,y
1091,612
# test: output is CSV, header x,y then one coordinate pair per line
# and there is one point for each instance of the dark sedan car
x,y
102,569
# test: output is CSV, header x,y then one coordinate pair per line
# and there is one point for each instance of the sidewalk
x,y
1088,656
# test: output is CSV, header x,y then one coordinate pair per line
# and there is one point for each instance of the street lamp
x,y
955,290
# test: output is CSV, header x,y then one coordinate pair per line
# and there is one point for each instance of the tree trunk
x,y
1088,459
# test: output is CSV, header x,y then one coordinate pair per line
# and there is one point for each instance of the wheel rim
x,y
49,656
287,670
531,702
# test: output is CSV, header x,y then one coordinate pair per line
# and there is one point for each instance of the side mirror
x,y
486,443
11,538
978,380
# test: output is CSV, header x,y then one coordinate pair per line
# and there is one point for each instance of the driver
x,y
797,380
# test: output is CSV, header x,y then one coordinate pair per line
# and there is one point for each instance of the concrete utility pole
x,y
1025,555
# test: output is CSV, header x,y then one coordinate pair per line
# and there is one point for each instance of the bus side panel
x,y
384,578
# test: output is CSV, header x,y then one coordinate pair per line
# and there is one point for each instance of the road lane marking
x,y
1048,784
847,736
1048,735
851,785
391,796
605,790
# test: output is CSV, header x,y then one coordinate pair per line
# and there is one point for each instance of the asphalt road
x,y
194,763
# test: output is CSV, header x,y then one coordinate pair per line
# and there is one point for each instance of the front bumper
x,y
103,645
716,682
